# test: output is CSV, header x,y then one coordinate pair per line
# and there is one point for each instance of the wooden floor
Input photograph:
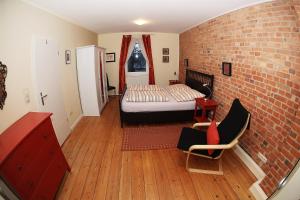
x,y
100,170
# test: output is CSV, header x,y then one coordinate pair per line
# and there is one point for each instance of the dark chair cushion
x,y
232,124
190,136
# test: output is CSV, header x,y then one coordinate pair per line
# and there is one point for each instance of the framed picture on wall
x,y
165,51
226,68
165,59
110,57
68,56
3,93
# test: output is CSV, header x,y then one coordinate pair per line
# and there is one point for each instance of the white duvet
x,y
174,97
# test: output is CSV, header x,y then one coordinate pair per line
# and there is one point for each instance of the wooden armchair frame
x,y
206,147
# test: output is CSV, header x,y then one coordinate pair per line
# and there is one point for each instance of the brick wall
x,y
263,44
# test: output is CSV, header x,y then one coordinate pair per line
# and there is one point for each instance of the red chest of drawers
x,y
31,160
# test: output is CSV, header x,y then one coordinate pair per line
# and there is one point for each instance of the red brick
x,y
262,42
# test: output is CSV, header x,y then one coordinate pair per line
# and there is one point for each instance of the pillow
x,y
186,95
146,96
177,87
212,136
144,87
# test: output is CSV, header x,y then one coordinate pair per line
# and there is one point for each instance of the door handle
x,y
42,98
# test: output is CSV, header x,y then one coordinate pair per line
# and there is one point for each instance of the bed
x,y
153,112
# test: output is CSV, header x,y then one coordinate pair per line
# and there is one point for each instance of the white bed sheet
x,y
171,105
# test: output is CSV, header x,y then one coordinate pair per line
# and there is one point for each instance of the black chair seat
x,y
191,136
111,88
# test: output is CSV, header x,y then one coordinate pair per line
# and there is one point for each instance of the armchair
x,y
194,141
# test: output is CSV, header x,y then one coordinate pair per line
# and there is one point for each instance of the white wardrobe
x,y
91,79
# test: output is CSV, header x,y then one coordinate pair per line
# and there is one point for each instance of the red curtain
x,y
124,50
147,45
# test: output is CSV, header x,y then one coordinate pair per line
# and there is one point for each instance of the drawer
x,y
26,155
48,132
33,173
13,167
51,179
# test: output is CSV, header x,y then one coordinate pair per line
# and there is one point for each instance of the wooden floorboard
x,y
100,170
149,176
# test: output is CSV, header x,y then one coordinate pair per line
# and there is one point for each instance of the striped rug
x,y
151,137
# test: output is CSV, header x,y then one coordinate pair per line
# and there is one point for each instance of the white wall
x,y
19,21
163,72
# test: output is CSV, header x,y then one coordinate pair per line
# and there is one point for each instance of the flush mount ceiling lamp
x,y
140,22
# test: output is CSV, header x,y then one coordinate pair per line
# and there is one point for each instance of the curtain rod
x,y
140,34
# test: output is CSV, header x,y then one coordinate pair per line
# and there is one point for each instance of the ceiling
x,y
172,16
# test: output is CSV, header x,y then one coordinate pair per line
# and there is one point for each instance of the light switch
x,y
26,95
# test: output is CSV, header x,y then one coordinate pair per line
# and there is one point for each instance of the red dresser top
x,y
13,135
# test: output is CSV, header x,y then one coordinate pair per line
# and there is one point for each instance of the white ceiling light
x,y
140,22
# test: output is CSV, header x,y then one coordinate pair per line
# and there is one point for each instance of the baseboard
x,y
255,189
254,168
257,192
76,122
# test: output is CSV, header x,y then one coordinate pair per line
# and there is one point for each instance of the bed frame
x,y
194,79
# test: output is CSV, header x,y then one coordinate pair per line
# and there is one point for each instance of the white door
x,y
46,75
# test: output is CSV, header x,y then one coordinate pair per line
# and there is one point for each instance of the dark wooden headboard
x,y
195,80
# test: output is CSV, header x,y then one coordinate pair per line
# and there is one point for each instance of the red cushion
x,y
212,136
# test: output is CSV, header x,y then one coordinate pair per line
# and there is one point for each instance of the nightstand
x,y
205,105
173,82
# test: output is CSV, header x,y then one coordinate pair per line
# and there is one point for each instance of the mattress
x,y
171,105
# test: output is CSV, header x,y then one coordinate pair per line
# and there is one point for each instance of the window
x,y
136,61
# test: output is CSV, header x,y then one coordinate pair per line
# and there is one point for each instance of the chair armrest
x,y
201,124
219,146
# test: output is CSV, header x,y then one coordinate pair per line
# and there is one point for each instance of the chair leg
x,y
187,162
215,172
